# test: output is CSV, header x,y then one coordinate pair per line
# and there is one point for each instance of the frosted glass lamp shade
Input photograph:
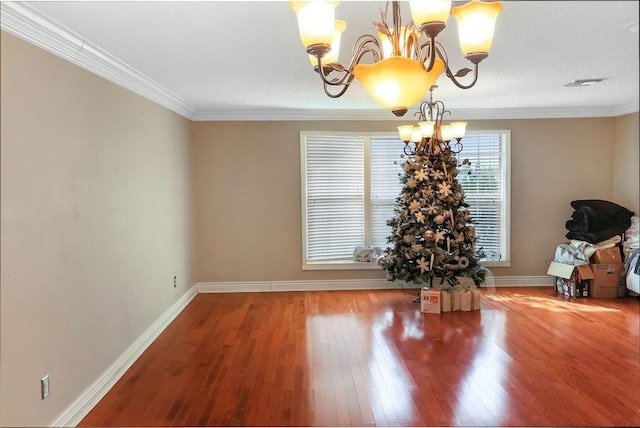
x,y
332,55
416,135
446,133
476,23
423,11
397,82
316,21
458,129
405,132
426,128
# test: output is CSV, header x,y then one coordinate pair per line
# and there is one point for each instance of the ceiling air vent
x,y
582,82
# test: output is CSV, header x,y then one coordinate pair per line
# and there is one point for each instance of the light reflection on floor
x,y
388,375
377,358
382,377
485,379
551,303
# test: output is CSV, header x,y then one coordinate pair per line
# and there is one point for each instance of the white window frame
x,y
354,265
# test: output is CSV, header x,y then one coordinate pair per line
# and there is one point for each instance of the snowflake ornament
x,y
432,208
439,236
411,183
421,174
414,205
422,264
444,189
437,174
419,217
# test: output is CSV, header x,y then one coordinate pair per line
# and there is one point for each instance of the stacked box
x,y
596,280
606,256
460,300
607,268
476,299
607,278
430,301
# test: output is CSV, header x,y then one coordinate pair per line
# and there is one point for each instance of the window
x,y
350,182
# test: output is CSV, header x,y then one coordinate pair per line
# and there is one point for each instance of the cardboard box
x,y
445,301
430,301
606,280
569,280
570,271
466,301
582,289
607,256
476,299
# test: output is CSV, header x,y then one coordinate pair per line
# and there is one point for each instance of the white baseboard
x,y
73,414
355,284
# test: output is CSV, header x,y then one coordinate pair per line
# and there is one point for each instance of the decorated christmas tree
x,y
433,238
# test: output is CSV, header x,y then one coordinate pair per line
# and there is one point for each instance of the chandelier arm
x,y
326,87
421,113
360,49
425,53
440,111
452,77
432,53
457,147
331,68
440,51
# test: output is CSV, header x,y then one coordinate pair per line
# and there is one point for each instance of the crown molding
x,y
29,24
266,114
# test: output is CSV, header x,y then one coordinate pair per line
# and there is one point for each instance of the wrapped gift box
x,y
430,301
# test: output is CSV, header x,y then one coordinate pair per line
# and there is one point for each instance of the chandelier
x,y
431,137
407,60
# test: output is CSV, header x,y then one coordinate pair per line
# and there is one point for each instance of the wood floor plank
x,y
370,358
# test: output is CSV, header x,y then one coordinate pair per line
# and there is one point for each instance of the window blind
x,y
386,165
334,196
483,185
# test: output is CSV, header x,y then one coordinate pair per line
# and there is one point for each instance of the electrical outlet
x,y
44,387
175,281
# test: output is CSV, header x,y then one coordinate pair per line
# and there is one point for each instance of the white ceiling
x,y
230,60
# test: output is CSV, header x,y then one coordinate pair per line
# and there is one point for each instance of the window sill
x,y
351,265
495,263
340,265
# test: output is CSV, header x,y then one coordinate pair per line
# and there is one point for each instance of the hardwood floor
x,y
365,358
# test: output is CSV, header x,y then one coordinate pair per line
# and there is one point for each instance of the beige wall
x,y
626,177
247,192
95,223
